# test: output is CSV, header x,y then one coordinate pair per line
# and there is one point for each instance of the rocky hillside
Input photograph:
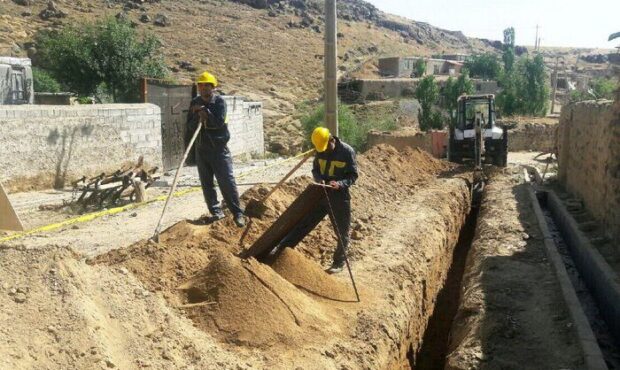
x,y
263,49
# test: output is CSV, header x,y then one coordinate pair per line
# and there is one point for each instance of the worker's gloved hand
x,y
334,185
197,108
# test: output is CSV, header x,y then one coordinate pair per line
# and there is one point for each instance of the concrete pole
x,y
331,59
555,85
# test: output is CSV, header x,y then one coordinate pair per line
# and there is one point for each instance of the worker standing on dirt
x,y
334,165
213,157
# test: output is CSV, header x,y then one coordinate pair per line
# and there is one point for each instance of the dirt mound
x,y
56,312
406,167
245,302
310,277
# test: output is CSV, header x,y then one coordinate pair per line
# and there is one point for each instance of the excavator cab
x,y
475,135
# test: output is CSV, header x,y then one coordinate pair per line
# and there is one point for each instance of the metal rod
x,y
341,242
331,60
174,182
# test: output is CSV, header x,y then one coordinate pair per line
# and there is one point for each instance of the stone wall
x,y
589,159
43,145
532,137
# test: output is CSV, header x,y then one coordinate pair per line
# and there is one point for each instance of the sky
x,y
574,23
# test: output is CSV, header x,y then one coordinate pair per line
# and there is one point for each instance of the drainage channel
x,y
434,349
601,331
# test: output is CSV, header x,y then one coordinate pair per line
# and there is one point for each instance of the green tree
x,y
509,49
485,66
419,67
427,93
533,87
107,53
44,82
455,88
525,89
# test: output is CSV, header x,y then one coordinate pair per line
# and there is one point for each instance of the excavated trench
x,y
432,353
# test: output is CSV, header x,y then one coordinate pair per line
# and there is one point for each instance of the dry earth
x,y
188,302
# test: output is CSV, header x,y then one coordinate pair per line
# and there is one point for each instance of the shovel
x,y
155,237
257,208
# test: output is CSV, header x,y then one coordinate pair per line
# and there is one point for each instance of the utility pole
x,y
536,40
331,58
555,85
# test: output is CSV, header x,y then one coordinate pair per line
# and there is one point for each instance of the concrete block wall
x,y
44,145
589,159
245,123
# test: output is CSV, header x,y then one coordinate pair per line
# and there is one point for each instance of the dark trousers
x,y
217,163
341,221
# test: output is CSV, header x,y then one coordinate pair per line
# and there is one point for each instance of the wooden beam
x,y
305,203
8,218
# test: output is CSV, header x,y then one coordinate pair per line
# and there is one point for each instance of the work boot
x,y
240,220
335,268
216,216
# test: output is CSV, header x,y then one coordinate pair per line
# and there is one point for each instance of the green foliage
x,y
603,88
599,88
427,93
419,68
525,89
44,82
455,88
108,51
351,130
485,66
509,49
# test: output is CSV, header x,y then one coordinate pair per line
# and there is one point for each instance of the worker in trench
x,y
212,155
334,166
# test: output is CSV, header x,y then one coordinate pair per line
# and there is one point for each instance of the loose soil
x,y
189,302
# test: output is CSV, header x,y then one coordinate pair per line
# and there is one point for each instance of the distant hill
x,y
263,49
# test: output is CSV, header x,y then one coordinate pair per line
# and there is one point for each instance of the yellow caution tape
x,y
112,211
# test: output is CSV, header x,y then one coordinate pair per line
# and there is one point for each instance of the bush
x,y
44,82
419,68
109,51
351,130
598,88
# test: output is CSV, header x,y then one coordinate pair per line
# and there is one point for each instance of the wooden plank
x,y
305,203
8,217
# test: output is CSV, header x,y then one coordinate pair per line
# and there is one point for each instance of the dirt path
x,y
126,228
511,303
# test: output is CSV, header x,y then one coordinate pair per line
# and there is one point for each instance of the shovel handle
x,y
174,182
289,174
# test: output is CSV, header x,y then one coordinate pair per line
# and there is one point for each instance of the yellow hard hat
x,y
320,139
207,78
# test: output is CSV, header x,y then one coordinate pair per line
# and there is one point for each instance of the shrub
x,y
351,130
44,82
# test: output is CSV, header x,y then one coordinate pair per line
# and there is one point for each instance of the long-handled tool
x,y
257,207
340,239
174,183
